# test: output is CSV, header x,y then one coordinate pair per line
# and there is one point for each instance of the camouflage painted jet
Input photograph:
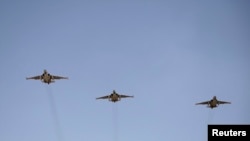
x,y
114,97
213,103
46,77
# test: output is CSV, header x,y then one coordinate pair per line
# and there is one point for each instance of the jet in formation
x,y
114,97
46,77
213,103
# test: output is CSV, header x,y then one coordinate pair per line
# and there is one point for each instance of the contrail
x,y
115,120
210,116
54,114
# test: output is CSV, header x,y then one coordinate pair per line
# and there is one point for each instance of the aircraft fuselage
x,y
114,97
213,103
46,78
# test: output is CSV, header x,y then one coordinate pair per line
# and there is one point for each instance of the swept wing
x,y
58,77
125,96
103,97
223,102
205,102
35,77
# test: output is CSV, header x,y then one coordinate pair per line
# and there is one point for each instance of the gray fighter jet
x,y
213,103
46,77
114,97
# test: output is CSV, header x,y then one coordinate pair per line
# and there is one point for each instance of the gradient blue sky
x,y
168,54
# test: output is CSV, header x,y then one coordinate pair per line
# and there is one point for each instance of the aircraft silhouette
x,y
114,97
46,77
213,103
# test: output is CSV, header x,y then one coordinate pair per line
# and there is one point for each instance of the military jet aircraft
x,y
213,103
114,97
46,77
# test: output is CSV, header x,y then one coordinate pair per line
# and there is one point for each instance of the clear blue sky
x,y
168,54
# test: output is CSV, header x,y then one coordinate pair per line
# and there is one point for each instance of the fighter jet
x,y
114,97
46,77
213,103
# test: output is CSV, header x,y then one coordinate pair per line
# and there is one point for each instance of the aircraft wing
x,y
103,97
223,102
125,96
205,102
58,77
35,77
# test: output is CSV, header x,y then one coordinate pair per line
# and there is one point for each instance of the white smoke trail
x,y
210,116
115,120
209,120
54,114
